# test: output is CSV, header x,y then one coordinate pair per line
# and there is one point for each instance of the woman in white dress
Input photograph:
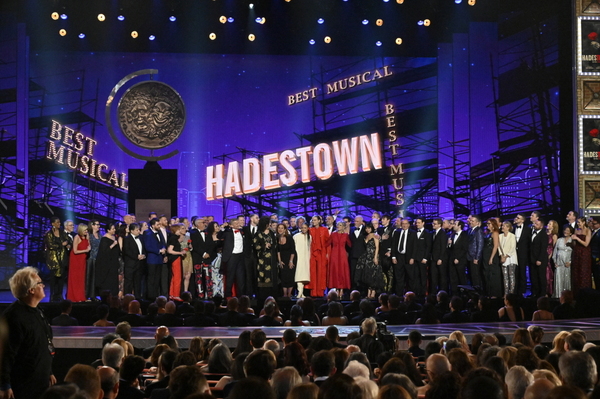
x,y
562,261
302,241
508,257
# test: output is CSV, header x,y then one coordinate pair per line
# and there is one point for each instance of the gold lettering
x,y
394,148
79,141
398,186
68,137
113,178
389,109
72,163
364,78
392,136
93,168
54,154
55,131
84,164
332,88
396,170
90,147
377,74
100,167
124,182
399,198
386,71
391,121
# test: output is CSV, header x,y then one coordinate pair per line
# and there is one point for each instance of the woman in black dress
x,y
107,262
286,253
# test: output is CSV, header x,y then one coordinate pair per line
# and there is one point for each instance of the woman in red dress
x,y
581,259
77,265
339,270
174,254
318,257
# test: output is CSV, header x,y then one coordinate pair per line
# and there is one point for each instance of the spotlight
x,y
230,19
365,21
378,43
420,22
62,32
386,1
151,37
54,16
63,16
288,1
212,36
251,37
251,6
426,22
379,22
101,17
398,41
172,18
472,2
82,35
311,42
257,20
121,18
134,34
222,19
327,39
263,20
400,1
458,1
320,21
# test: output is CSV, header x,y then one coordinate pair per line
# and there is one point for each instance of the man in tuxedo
x,y
422,255
439,258
330,223
233,259
199,256
403,245
134,256
571,220
523,237
386,231
595,245
458,246
538,259
474,255
158,273
250,257
357,235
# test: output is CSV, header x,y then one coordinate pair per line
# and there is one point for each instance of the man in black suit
x,y
475,252
233,258
538,259
357,235
595,244
571,220
403,246
523,237
232,318
199,256
422,255
65,319
386,231
250,257
457,260
439,258
158,272
134,256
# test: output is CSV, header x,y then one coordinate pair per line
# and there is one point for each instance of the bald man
x,y
436,364
109,382
539,389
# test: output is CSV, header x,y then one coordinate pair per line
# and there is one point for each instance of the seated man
x,y
86,378
130,370
65,319
367,342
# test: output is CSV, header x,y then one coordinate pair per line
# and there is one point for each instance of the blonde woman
x,y
552,231
77,265
508,257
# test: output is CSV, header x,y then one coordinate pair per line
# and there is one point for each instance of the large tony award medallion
x,y
150,114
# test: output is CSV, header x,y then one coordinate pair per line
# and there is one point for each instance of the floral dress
x,y
267,272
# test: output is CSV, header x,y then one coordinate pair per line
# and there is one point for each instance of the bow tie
x,y
518,227
137,237
420,231
236,231
535,232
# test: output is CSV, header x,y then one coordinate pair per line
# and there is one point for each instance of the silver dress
x,y
562,275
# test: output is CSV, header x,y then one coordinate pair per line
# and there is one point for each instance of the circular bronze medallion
x,y
151,114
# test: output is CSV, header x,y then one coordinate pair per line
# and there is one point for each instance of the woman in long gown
x,y
508,257
302,276
318,257
90,273
107,262
186,261
56,242
368,270
552,231
174,255
491,260
562,260
77,265
122,232
339,270
265,245
212,272
286,251
581,261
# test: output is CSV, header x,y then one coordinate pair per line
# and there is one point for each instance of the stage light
x,y
288,0
263,20
222,19
400,1
212,36
230,19
327,39
365,21
398,41
472,2
311,42
257,20
101,17
121,18
172,18
420,22
82,35
63,16
152,37
386,1
62,32
251,37
378,43
55,16
427,22
251,6
320,21
379,22
134,34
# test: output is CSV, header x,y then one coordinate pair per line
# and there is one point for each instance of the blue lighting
x,y
82,35
152,37
386,1
311,41
172,18
257,20
378,43
121,18
458,1
365,21
230,19
320,21
420,23
63,16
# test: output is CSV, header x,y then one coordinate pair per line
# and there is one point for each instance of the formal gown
x,y
368,274
91,266
107,267
581,266
491,273
286,250
562,274
550,267
186,262
266,266
302,242
318,260
176,267
339,269
77,272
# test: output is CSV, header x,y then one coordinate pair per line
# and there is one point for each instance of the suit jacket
x,y
595,244
153,243
228,243
475,244
64,320
386,245
232,319
199,246
411,241
460,248
131,250
249,250
438,247
422,246
539,248
358,244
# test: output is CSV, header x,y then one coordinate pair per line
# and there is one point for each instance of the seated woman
x,y
335,315
296,317
103,321
544,313
219,361
511,311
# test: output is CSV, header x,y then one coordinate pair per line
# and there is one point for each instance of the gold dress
x,y
56,253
